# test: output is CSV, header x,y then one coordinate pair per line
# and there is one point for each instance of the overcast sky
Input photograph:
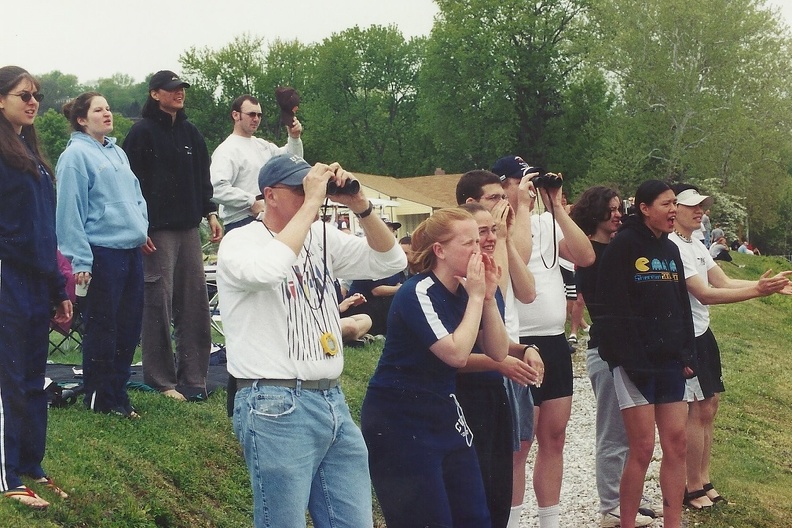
x,y
94,40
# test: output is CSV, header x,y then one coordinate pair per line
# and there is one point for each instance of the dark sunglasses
x,y
27,96
251,115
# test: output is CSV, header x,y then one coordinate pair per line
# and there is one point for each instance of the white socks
x,y
549,516
514,517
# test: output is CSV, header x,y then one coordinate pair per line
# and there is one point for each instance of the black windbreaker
x,y
645,319
171,160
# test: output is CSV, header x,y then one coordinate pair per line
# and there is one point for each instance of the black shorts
x,y
709,373
554,351
570,286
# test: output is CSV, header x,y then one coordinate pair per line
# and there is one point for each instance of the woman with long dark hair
x,y
30,286
646,336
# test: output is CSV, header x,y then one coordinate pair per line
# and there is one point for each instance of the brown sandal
x,y
27,497
50,484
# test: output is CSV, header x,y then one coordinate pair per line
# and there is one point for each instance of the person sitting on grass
x,y
355,327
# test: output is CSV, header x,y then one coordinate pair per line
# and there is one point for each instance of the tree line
x,y
603,91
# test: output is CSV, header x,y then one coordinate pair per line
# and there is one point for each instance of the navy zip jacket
x,y
171,160
27,226
645,319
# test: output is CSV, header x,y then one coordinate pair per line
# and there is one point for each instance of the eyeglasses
x,y
297,189
251,115
27,96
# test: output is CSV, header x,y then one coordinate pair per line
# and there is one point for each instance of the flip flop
x,y
50,484
26,497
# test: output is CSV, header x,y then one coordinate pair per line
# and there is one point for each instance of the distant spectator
x,y
393,226
745,249
717,233
378,294
719,250
353,327
706,226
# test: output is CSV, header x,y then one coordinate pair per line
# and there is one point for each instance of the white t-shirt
x,y
697,261
511,318
234,171
545,316
269,299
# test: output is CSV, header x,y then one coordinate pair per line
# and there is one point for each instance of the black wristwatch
x,y
367,212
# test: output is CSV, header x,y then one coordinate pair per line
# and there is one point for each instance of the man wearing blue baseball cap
x,y
541,323
283,336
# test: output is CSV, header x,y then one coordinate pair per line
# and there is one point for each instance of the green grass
x,y
180,465
752,452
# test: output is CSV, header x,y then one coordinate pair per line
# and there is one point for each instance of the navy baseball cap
x,y
286,169
510,167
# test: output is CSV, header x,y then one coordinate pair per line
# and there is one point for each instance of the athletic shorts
x,y
666,384
554,351
709,375
522,409
570,286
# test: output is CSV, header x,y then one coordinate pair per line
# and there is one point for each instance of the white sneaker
x,y
572,339
612,519
650,508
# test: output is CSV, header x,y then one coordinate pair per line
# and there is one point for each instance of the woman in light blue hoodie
x,y
102,224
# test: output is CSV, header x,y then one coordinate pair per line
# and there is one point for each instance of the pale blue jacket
x,y
99,200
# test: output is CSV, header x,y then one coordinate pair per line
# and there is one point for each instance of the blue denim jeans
x,y
303,451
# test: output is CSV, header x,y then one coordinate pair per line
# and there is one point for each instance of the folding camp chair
x,y
67,338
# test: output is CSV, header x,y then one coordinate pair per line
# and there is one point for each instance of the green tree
x,y
287,64
495,78
53,130
360,101
58,88
703,93
121,126
217,77
123,93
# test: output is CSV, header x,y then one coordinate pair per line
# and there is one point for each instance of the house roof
x,y
436,190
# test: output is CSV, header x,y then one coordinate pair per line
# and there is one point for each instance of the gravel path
x,y
579,501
